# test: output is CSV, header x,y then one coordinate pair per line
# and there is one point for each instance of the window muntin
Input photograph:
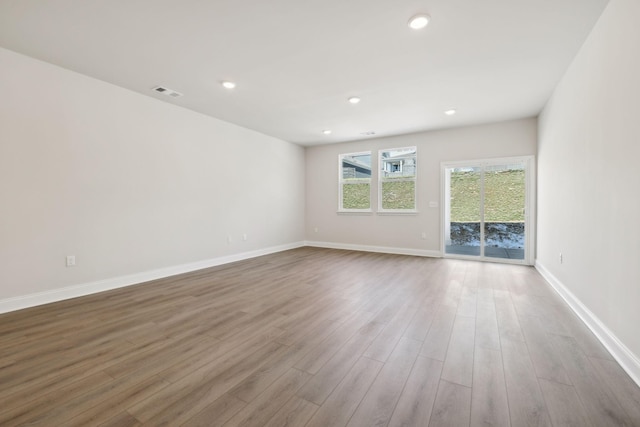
x,y
397,179
355,182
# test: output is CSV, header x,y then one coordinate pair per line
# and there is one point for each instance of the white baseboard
x,y
379,249
625,357
32,300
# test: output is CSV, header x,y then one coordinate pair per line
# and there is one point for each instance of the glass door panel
x,y
504,211
463,191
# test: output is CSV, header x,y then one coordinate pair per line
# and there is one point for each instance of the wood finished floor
x,y
315,337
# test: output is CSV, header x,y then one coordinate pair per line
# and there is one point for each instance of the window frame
x,y
342,183
381,180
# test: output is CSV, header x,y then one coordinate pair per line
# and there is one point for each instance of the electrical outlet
x,y
561,258
228,240
315,230
424,235
244,237
71,260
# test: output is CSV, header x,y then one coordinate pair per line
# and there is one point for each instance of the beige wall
x,y
513,138
589,180
127,183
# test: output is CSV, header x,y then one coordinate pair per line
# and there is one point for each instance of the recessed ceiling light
x,y
419,21
228,84
326,132
354,100
450,112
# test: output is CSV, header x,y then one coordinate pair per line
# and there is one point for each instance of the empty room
x,y
319,213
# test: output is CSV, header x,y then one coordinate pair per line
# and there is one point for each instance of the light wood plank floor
x,y
315,337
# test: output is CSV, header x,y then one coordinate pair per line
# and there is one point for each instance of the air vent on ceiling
x,y
370,133
166,91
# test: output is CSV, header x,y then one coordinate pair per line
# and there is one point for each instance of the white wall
x,y
127,183
513,138
589,179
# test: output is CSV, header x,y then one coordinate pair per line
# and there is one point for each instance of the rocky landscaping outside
x,y
508,235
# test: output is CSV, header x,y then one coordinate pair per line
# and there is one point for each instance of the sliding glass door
x,y
486,206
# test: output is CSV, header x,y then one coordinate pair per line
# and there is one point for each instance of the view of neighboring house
x,y
356,166
397,163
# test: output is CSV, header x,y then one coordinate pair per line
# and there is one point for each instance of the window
x,y
397,186
355,182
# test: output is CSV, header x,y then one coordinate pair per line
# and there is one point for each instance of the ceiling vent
x,y
166,91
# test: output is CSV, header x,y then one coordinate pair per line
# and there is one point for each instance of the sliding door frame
x,y
530,207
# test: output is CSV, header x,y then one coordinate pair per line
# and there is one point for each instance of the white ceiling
x,y
297,61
